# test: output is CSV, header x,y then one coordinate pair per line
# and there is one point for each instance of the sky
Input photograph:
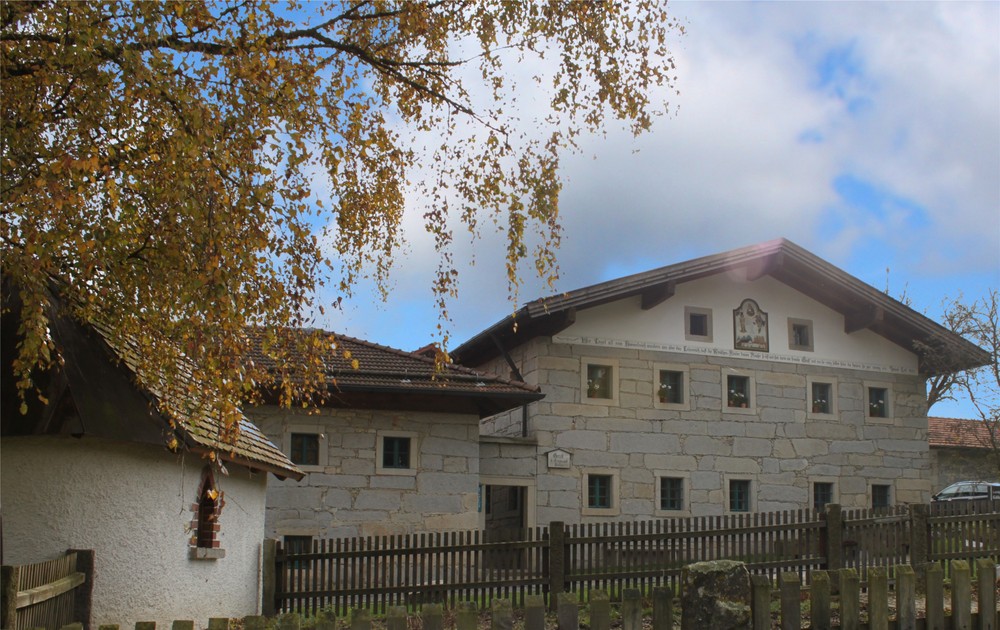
x,y
868,133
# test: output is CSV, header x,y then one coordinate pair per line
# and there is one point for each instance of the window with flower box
x,y
670,386
599,381
739,394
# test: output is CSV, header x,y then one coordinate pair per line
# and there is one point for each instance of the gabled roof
x,y
863,306
96,393
958,433
388,378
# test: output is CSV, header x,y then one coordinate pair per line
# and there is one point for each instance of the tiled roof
x,y
862,305
381,368
201,431
955,432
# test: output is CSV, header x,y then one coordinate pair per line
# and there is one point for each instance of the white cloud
x,y
754,151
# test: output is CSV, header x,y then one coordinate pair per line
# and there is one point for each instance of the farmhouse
x,y
758,379
92,470
394,449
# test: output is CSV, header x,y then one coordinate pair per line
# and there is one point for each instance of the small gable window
x,y
800,334
697,323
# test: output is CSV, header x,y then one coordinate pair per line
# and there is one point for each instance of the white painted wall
x,y
624,324
132,503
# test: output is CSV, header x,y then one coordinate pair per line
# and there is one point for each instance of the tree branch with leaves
x,y
186,171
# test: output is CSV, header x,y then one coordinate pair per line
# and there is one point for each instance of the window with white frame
x,y
670,386
599,382
306,445
881,495
822,494
600,492
697,323
739,393
396,453
800,334
878,397
821,393
672,494
740,497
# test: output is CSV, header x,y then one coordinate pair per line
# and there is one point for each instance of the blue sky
x,y
868,133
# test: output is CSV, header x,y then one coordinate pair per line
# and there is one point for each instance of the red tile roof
x,y
381,368
957,433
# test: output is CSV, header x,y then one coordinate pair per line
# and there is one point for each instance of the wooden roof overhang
x,y
862,306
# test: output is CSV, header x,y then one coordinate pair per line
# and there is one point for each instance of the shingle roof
x,y
862,305
959,433
381,369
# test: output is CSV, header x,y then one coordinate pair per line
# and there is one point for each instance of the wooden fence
x,y
378,572
47,594
834,602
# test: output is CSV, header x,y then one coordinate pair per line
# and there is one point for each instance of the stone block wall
x,y
777,444
348,494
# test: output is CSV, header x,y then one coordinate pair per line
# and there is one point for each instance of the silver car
x,y
969,491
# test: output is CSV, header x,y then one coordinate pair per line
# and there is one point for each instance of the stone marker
x,y
716,595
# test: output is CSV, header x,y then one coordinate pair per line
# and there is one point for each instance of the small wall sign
x,y
559,459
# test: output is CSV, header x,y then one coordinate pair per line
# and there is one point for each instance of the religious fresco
x,y
750,327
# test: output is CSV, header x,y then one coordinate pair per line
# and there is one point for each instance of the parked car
x,y
969,491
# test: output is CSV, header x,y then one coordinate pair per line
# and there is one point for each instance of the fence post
x,y
600,611
878,598
557,562
761,598
934,582
663,608
631,609
986,576
268,583
791,605
11,577
961,596
850,600
834,537
920,536
83,594
819,601
534,613
906,601
567,612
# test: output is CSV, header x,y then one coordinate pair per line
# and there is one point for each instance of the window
x,y
881,496
599,492
305,449
822,494
305,444
697,324
800,334
739,495
395,452
738,391
671,493
599,381
822,398
878,402
205,543
671,387
298,544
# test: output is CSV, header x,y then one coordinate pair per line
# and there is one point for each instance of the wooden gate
x,y
48,594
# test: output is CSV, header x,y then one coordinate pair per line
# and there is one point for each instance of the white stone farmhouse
x,y
758,379
172,533
394,449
